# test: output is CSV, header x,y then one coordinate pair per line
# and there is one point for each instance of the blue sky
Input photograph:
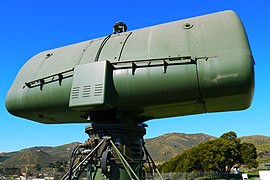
x,y
30,26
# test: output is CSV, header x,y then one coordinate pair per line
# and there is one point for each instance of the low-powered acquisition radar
x,y
198,65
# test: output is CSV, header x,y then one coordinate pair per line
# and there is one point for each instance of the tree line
x,y
215,155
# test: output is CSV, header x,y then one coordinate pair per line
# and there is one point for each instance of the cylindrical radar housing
x,y
197,65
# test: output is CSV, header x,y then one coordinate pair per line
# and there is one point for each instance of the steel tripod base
x,y
114,151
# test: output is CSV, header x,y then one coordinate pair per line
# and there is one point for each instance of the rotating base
x,y
128,139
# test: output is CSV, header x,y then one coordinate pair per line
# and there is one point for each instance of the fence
x,y
194,176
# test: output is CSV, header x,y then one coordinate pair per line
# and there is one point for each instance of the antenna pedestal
x,y
121,156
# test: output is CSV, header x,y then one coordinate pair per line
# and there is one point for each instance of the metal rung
x,y
49,79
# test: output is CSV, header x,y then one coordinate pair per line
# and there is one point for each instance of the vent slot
x,y
75,92
86,91
98,89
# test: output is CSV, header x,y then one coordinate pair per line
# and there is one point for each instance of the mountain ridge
x,y
162,148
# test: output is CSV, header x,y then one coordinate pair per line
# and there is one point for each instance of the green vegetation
x,y
60,166
215,155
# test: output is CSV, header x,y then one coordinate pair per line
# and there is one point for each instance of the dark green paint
x,y
198,65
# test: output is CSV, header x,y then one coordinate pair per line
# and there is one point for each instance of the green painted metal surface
x,y
197,65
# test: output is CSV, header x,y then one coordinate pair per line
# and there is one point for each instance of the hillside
x,y
262,144
29,158
167,146
161,148
41,155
